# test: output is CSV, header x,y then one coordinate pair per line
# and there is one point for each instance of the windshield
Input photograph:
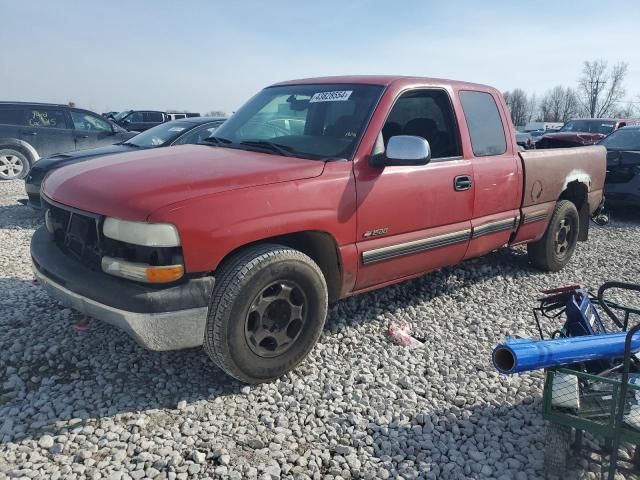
x,y
160,135
603,127
623,139
121,115
323,121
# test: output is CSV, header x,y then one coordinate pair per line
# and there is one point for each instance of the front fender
x,y
212,227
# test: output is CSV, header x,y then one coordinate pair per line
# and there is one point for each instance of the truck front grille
x,y
76,233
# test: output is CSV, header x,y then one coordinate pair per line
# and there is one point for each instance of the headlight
x,y
141,233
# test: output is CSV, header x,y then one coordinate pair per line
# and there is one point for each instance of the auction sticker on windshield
x,y
338,96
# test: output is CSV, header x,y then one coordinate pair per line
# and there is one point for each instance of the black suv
x,y
29,131
139,120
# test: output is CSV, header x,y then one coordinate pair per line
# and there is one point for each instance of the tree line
x,y
600,92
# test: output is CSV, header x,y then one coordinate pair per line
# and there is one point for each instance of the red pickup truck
x,y
314,190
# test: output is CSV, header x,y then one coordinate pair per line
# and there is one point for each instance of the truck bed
x,y
550,172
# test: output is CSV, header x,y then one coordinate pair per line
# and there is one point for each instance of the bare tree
x,y
601,88
519,106
559,104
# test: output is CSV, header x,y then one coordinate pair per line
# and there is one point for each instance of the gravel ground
x,y
95,405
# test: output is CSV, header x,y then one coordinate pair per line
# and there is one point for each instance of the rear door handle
x,y
462,183
82,136
33,134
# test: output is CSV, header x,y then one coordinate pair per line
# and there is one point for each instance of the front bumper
x,y
159,318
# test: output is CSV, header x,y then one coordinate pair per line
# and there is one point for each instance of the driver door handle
x,y
462,183
33,134
82,136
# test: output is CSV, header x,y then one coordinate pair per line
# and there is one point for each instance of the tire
x,y
554,250
14,165
556,451
267,310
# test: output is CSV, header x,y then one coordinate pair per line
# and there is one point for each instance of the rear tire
x,y
267,310
14,165
554,250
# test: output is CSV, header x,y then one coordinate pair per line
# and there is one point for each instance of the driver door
x,y
415,219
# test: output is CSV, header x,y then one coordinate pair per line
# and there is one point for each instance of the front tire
x,y
554,250
266,313
14,165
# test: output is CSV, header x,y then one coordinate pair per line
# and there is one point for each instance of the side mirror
x,y
404,150
126,121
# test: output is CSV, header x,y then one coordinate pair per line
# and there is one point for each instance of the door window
x,y
484,123
135,117
11,116
153,117
427,114
45,117
86,121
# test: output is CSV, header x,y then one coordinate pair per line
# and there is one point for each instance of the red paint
x,y
221,199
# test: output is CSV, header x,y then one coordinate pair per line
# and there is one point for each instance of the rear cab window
x,y
484,123
45,117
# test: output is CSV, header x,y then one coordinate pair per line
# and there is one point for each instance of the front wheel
x,y
267,311
554,250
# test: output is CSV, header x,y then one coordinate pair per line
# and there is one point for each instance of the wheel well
x,y
577,193
20,149
322,249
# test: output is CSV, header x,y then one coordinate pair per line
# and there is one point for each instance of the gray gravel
x,y
95,405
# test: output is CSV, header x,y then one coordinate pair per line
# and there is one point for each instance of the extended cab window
x,y
86,121
427,114
484,123
45,117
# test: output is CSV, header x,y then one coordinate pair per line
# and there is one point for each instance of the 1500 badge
x,y
377,231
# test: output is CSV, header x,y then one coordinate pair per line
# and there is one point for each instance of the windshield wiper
x,y
216,140
129,144
274,147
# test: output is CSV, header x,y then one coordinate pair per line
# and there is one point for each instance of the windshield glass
x,y
623,139
121,115
589,126
310,121
160,135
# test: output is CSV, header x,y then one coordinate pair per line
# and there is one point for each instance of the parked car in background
x,y
140,120
239,245
524,139
582,131
178,116
622,185
177,132
536,135
542,126
29,131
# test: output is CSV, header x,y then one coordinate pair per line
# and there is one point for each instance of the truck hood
x,y
131,186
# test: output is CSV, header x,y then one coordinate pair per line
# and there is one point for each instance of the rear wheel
x,y
14,165
266,313
554,250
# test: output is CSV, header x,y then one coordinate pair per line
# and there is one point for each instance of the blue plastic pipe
x,y
522,355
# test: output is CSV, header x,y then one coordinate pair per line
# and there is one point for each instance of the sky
x,y
202,55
